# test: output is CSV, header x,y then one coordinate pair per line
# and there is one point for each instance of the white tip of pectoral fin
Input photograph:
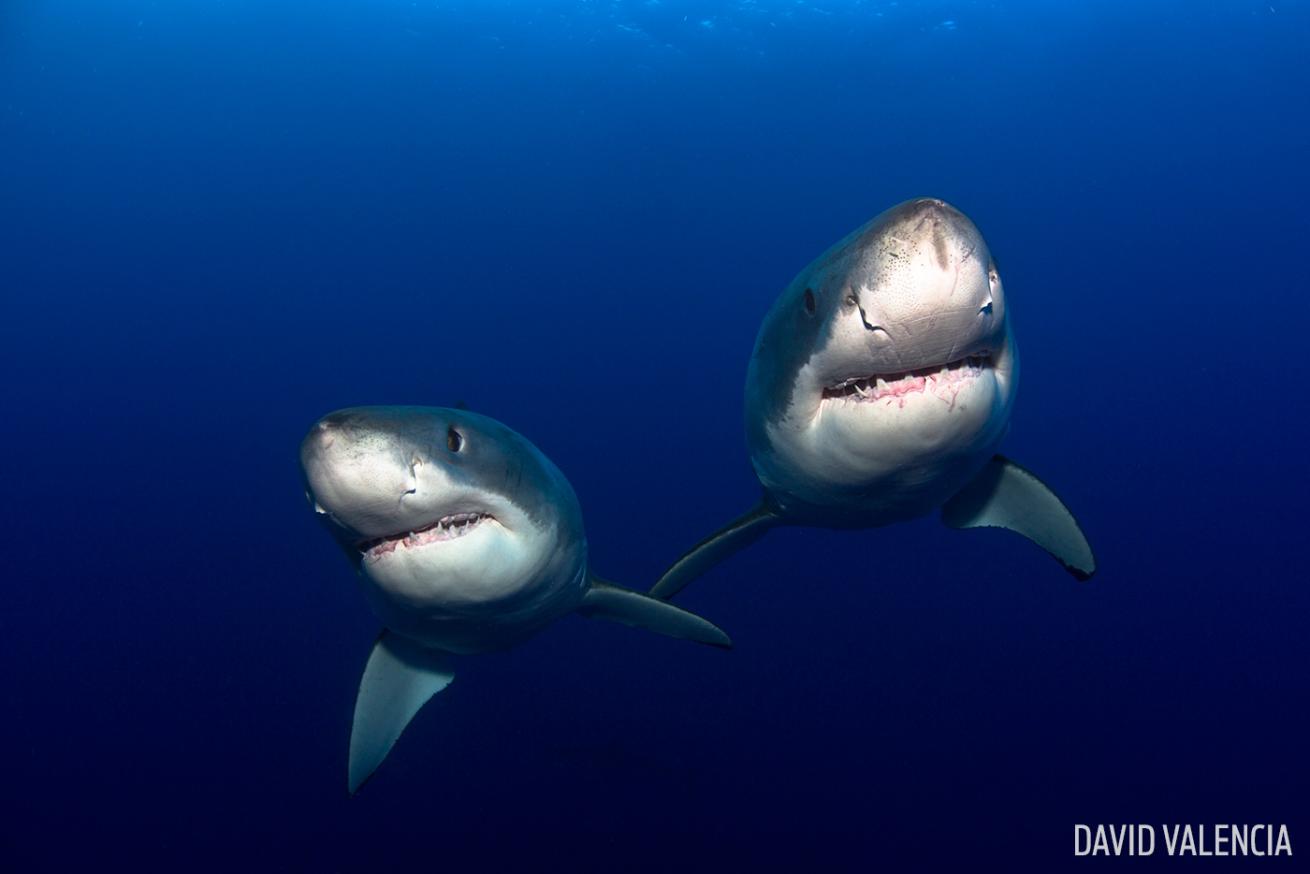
x,y
1004,495
399,679
617,604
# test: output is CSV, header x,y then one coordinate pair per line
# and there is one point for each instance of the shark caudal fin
x,y
617,604
399,679
731,538
1004,495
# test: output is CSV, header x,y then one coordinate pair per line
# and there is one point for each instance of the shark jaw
x,y
945,381
449,527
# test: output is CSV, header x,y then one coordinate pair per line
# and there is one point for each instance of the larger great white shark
x,y
879,390
467,539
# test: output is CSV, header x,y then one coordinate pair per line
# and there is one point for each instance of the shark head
x,y
883,375
451,517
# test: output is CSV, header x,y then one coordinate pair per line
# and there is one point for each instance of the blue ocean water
x,y
220,220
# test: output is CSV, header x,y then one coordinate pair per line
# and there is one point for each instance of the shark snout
x,y
921,291
360,472
937,229
322,435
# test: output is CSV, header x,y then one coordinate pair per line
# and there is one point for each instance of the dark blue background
x,y
223,219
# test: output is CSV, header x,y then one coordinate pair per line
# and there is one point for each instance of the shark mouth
x,y
865,389
449,527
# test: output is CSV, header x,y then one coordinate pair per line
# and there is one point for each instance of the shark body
x,y
879,390
466,539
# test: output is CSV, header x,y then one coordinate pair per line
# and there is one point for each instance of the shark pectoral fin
x,y
1004,495
399,679
733,537
617,604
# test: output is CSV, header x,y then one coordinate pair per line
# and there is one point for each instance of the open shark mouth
x,y
894,385
449,527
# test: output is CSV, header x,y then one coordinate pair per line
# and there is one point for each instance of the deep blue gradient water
x,y
220,220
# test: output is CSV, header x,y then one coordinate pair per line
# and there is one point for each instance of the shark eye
x,y
809,301
454,440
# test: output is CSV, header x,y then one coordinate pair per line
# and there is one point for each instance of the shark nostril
x,y
864,317
415,462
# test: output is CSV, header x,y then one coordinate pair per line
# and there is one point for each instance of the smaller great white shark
x,y
467,540
879,390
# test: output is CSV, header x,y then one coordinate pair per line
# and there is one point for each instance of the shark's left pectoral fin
x,y
608,601
1004,495
399,679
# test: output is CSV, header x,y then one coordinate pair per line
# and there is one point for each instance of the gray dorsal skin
x,y
466,539
880,387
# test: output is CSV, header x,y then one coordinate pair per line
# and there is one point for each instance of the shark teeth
x,y
446,528
928,379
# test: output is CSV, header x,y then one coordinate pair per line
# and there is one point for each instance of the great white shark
x,y
467,539
879,390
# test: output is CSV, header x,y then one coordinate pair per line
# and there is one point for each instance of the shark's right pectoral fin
x,y
1004,495
399,679
733,537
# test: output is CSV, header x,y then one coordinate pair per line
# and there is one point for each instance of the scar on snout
x,y
939,243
